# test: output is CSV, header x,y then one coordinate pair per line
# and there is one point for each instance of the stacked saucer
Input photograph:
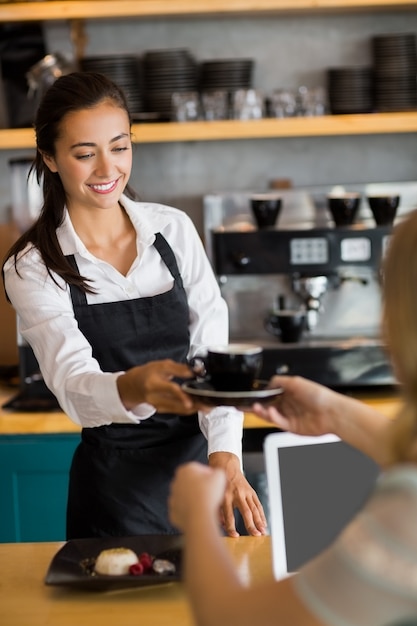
x,y
226,75
395,66
350,90
124,70
166,72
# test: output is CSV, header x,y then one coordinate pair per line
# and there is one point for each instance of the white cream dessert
x,y
115,561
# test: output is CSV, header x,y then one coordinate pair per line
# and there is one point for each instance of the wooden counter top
x,y
14,423
25,599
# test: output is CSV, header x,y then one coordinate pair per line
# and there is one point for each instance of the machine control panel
x,y
309,250
355,249
315,251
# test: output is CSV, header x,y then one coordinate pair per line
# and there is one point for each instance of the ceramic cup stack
x,y
168,72
220,79
395,67
350,90
122,69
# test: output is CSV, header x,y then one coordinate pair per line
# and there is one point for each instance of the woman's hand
x,y
238,494
153,383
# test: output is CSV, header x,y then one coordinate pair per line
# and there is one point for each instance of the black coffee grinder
x,y
33,394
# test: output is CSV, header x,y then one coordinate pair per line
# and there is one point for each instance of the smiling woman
x,y
114,296
99,164
94,173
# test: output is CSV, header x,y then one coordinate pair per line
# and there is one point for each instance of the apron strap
x,y
78,296
167,256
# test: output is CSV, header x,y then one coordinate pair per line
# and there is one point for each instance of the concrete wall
x,y
289,51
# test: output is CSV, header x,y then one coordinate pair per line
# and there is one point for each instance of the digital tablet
x,y
315,486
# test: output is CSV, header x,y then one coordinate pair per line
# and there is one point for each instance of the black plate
x,y
67,568
205,392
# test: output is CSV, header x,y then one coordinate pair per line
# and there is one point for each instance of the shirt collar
x,y
145,231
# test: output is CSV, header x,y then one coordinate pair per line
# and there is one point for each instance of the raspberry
x,y
146,561
136,569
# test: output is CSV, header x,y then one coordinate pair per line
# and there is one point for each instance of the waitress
x,y
114,296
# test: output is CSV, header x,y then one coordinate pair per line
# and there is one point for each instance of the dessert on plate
x,y
115,561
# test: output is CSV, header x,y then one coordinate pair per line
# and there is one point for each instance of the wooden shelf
x,y
380,123
328,125
275,128
102,9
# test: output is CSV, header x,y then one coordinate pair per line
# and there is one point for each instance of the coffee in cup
x,y
232,367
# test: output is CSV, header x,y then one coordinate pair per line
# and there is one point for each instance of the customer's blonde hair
x,y
399,278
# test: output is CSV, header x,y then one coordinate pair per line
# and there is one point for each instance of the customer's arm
x,y
216,593
367,577
308,408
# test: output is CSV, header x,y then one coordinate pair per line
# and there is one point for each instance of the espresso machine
x,y
304,263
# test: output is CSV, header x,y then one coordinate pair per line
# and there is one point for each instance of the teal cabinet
x,y
34,473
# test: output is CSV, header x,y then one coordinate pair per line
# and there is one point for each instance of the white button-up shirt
x,y
46,319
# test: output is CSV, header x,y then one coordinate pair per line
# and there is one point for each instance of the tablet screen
x,y
315,486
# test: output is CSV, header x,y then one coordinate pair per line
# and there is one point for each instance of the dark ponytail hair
x,y
69,93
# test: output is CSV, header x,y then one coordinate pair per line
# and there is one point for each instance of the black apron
x,y
120,474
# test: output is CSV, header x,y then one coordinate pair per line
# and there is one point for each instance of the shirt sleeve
x,y
46,321
369,576
223,428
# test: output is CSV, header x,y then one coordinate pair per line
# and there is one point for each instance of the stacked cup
x,y
384,208
266,208
343,207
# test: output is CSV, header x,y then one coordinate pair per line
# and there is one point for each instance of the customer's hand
x,y
304,407
307,408
153,383
238,494
196,495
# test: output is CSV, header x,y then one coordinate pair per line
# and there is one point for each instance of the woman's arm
x,y
238,494
89,396
308,408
